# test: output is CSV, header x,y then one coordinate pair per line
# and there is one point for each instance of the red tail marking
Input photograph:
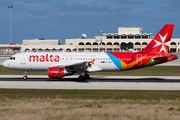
x,y
161,42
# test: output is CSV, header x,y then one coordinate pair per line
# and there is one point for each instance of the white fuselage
x,y
41,61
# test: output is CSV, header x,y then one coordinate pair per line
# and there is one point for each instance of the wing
x,y
82,66
85,66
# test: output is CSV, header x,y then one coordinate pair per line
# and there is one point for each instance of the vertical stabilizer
x,y
161,42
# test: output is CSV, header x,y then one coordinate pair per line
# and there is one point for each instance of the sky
x,y
62,19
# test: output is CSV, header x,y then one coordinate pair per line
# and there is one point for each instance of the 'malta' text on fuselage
x,y
44,58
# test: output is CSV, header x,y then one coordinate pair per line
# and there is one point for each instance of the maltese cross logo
x,y
163,43
92,61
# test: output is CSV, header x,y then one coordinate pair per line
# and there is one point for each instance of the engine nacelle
x,y
57,72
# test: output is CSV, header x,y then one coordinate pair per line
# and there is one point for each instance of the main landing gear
x,y
85,77
25,75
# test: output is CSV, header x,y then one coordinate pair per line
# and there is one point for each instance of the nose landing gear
x,y
25,75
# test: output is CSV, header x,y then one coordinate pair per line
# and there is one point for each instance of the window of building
x,y
137,37
144,36
116,37
109,37
123,37
130,37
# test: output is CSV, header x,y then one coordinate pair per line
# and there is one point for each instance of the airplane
x,y
60,64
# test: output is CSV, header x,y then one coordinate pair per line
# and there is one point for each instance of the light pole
x,y
101,32
10,26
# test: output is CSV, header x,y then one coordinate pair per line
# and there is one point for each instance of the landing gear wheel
x,y
81,78
25,77
86,76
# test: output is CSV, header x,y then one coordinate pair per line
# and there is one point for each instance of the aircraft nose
x,y
5,64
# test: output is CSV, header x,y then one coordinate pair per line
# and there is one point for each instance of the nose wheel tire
x,y
25,77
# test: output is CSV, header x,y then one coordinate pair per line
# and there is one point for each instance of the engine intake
x,y
58,72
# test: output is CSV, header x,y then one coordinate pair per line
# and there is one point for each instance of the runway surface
x,y
95,82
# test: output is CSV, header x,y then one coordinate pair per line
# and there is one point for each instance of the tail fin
x,y
161,42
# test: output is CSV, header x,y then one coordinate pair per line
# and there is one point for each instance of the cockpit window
x,y
12,58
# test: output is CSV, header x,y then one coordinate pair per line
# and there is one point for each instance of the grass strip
x,y
90,94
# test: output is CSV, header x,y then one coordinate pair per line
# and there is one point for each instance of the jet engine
x,y
58,72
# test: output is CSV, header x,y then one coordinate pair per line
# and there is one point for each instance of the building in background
x,y
127,38
10,48
41,45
